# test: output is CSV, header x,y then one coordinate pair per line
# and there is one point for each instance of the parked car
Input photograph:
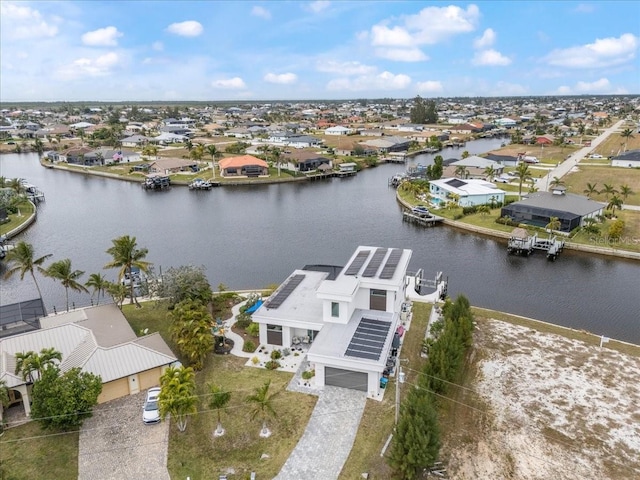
x,y
421,211
502,179
595,155
151,409
530,159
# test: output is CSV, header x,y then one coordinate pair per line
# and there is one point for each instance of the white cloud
x,y
157,46
584,8
93,67
283,78
318,6
491,58
344,68
20,22
599,86
604,52
382,81
234,83
487,39
381,35
402,54
430,86
103,37
190,28
258,11
564,90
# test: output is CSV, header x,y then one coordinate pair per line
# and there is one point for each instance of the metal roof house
x,y
538,209
98,340
630,159
348,316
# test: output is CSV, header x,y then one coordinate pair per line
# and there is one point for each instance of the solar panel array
x,y
368,339
392,263
285,291
374,263
355,266
456,183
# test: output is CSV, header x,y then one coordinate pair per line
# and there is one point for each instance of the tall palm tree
x,y
262,404
213,151
275,154
98,283
23,260
31,362
627,133
490,172
177,397
126,255
554,224
461,171
608,190
615,202
219,399
625,191
522,174
61,271
556,182
591,189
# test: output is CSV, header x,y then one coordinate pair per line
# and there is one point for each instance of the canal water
x,y
250,237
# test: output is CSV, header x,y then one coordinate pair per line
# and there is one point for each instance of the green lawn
x,y
576,182
26,210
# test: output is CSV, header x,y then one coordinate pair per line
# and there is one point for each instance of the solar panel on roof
x,y
355,266
374,263
456,183
389,268
368,339
285,291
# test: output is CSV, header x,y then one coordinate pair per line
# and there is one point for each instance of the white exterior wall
x,y
625,163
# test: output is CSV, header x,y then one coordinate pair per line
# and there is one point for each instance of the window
x,y
335,309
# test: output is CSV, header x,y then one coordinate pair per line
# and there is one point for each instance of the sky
x,y
290,50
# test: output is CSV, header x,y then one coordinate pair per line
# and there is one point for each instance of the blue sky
x,y
269,50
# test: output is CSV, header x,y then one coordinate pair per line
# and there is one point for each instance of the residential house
x,y
100,341
388,144
539,207
168,139
348,317
305,161
106,155
74,155
547,139
469,192
630,159
338,130
504,160
243,166
475,167
506,122
238,132
135,141
168,166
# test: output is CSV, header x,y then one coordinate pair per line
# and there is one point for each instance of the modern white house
x,y
348,316
469,191
338,130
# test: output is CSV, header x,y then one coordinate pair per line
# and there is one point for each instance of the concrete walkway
x,y
326,443
572,160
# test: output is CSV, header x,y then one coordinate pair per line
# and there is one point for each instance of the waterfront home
x,y
630,159
388,144
345,317
169,165
73,155
100,341
570,209
504,160
243,166
469,192
305,161
135,141
166,138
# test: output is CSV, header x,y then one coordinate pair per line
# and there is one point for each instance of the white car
x,y
151,409
595,155
502,179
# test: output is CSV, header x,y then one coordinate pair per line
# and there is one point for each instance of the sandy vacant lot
x,y
548,407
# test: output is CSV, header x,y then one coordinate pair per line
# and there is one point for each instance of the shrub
x,y
243,320
286,352
249,346
458,216
276,354
272,365
307,374
255,360
616,229
469,210
253,329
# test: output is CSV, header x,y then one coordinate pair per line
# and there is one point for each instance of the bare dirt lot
x,y
546,406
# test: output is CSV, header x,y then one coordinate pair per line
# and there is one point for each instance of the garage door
x,y
345,378
115,389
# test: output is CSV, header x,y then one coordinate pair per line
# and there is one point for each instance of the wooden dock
x,y
526,245
425,221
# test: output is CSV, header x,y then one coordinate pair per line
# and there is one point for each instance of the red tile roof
x,y
241,161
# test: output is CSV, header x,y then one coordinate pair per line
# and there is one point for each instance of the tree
x,y
4,402
262,405
591,189
213,151
461,171
38,146
418,113
490,172
522,174
432,112
554,224
625,191
218,401
557,182
465,154
184,283
63,401
118,292
627,133
276,154
191,331
615,202
177,395
22,259
197,152
98,283
434,171
616,229
61,271
608,190
31,362
126,255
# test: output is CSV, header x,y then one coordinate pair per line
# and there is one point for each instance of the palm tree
x,y
118,292
213,151
625,191
490,172
126,255
556,182
22,259
262,403
554,224
591,189
276,153
219,399
461,171
627,133
177,397
61,270
465,154
197,152
522,174
30,362
615,202
608,190
98,283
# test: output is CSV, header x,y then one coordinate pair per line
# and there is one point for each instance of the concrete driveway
x,y
115,444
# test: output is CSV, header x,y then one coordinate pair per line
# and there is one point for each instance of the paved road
x,y
573,159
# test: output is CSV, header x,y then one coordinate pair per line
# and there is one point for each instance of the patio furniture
x,y
306,340
295,341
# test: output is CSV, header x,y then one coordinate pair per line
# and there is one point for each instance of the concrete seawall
x,y
24,225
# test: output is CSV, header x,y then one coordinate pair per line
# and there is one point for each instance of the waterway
x,y
250,237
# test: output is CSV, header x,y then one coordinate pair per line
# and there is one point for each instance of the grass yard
x,y
630,239
614,144
378,418
29,452
550,154
576,181
26,210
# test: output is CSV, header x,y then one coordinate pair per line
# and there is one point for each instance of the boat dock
x,y
522,244
424,220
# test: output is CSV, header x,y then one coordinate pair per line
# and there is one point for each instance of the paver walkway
x,y
326,443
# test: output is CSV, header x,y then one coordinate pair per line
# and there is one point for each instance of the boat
x,y
5,246
200,184
156,181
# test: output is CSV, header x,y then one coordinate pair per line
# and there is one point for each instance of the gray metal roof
x,y
567,202
633,155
